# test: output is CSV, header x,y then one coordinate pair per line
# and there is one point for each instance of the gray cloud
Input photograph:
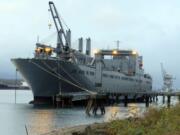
x,y
151,27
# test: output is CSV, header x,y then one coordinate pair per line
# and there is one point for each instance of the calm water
x,y
14,117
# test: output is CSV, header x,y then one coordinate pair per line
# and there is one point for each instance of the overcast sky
x,y
152,27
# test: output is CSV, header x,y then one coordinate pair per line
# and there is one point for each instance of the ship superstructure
x,y
62,69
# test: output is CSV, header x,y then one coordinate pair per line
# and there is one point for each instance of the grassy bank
x,y
165,121
155,122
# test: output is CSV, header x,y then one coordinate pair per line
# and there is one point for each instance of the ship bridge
x,y
116,52
127,62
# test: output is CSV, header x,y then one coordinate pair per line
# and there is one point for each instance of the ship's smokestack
x,y
80,44
68,35
88,46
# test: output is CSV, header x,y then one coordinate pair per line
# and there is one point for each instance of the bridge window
x,y
105,75
124,78
91,73
130,79
111,76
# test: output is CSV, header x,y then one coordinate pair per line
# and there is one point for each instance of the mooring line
x,y
60,74
63,79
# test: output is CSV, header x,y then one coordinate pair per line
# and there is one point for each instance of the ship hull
x,y
48,77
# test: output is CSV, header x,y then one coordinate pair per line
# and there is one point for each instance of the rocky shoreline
x,y
92,129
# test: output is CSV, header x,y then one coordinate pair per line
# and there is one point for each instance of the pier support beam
x,y
54,101
135,98
163,99
95,102
153,98
117,99
156,98
168,101
150,99
125,100
147,100
63,101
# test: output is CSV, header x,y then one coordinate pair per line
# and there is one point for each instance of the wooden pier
x,y
145,97
127,97
93,102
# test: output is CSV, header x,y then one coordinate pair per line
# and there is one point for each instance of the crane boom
x,y
59,27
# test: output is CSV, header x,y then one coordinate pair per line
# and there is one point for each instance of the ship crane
x,y
63,45
167,80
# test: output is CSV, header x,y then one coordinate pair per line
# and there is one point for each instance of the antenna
x,y
49,23
118,44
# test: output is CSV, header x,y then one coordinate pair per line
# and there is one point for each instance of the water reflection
x,y
112,113
159,103
40,120
121,112
133,110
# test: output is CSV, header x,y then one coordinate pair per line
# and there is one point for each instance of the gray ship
x,y
64,70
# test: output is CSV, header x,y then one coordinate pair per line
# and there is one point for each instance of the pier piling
x,y
117,99
125,100
101,99
94,103
163,100
168,100
27,133
153,98
63,101
156,98
147,100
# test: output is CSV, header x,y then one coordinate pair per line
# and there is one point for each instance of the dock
x,y
146,96
100,100
135,97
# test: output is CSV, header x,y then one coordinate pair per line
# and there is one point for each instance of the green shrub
x,y
163,121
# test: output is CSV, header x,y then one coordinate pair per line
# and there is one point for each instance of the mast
x,y
163,70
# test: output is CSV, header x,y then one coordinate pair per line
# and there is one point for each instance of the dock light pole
x,y
15,86
26,130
